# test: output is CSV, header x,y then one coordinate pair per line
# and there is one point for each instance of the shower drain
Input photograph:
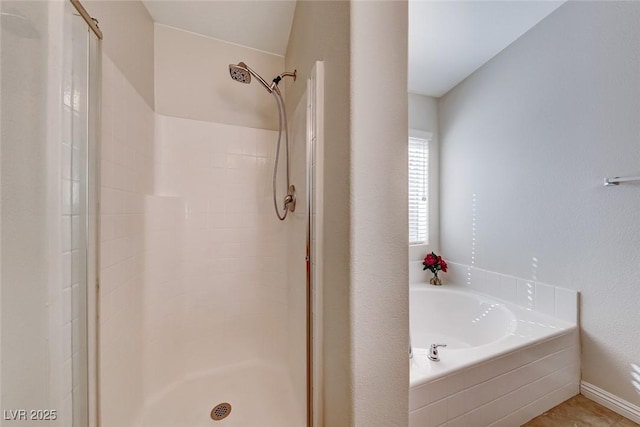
x,y
220,411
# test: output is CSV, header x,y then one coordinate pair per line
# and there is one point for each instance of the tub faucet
x,y
433,352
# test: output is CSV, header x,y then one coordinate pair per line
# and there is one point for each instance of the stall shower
x,y
214,291
145,279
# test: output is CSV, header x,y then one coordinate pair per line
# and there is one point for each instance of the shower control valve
x,y
290,199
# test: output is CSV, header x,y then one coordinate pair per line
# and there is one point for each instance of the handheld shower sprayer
x,y
242,73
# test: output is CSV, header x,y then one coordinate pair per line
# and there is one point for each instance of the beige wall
x,y
192,80
128,40
379,217
365,301
310,40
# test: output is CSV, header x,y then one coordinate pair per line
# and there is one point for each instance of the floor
x,y
580,412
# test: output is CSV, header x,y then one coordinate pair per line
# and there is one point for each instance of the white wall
x,y
192,80
526,142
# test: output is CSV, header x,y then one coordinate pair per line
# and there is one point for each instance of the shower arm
x,y
293,74
274,84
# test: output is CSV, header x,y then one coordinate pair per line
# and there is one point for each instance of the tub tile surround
x,y
530,294
515,386
506,391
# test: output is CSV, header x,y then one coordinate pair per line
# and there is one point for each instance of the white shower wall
x,y
223,298
226,299
126,177
193,259
196,270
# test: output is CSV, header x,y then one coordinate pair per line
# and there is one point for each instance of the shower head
x,y
240,73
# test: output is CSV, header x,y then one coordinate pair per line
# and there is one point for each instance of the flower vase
x,y
435,280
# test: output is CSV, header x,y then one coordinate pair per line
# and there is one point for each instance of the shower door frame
x,y
92,224
313,258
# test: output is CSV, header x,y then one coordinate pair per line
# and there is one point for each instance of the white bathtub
x,y
503,364
459,319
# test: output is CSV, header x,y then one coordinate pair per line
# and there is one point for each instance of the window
x,y
418,190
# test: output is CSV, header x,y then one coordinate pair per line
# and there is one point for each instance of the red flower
x,y
430,260
435,263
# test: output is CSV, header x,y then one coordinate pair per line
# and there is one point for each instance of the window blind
x,y
418,191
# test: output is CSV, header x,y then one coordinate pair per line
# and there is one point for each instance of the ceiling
x,y
448,39
262,24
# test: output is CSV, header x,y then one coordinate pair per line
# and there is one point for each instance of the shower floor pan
x,y
260,395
